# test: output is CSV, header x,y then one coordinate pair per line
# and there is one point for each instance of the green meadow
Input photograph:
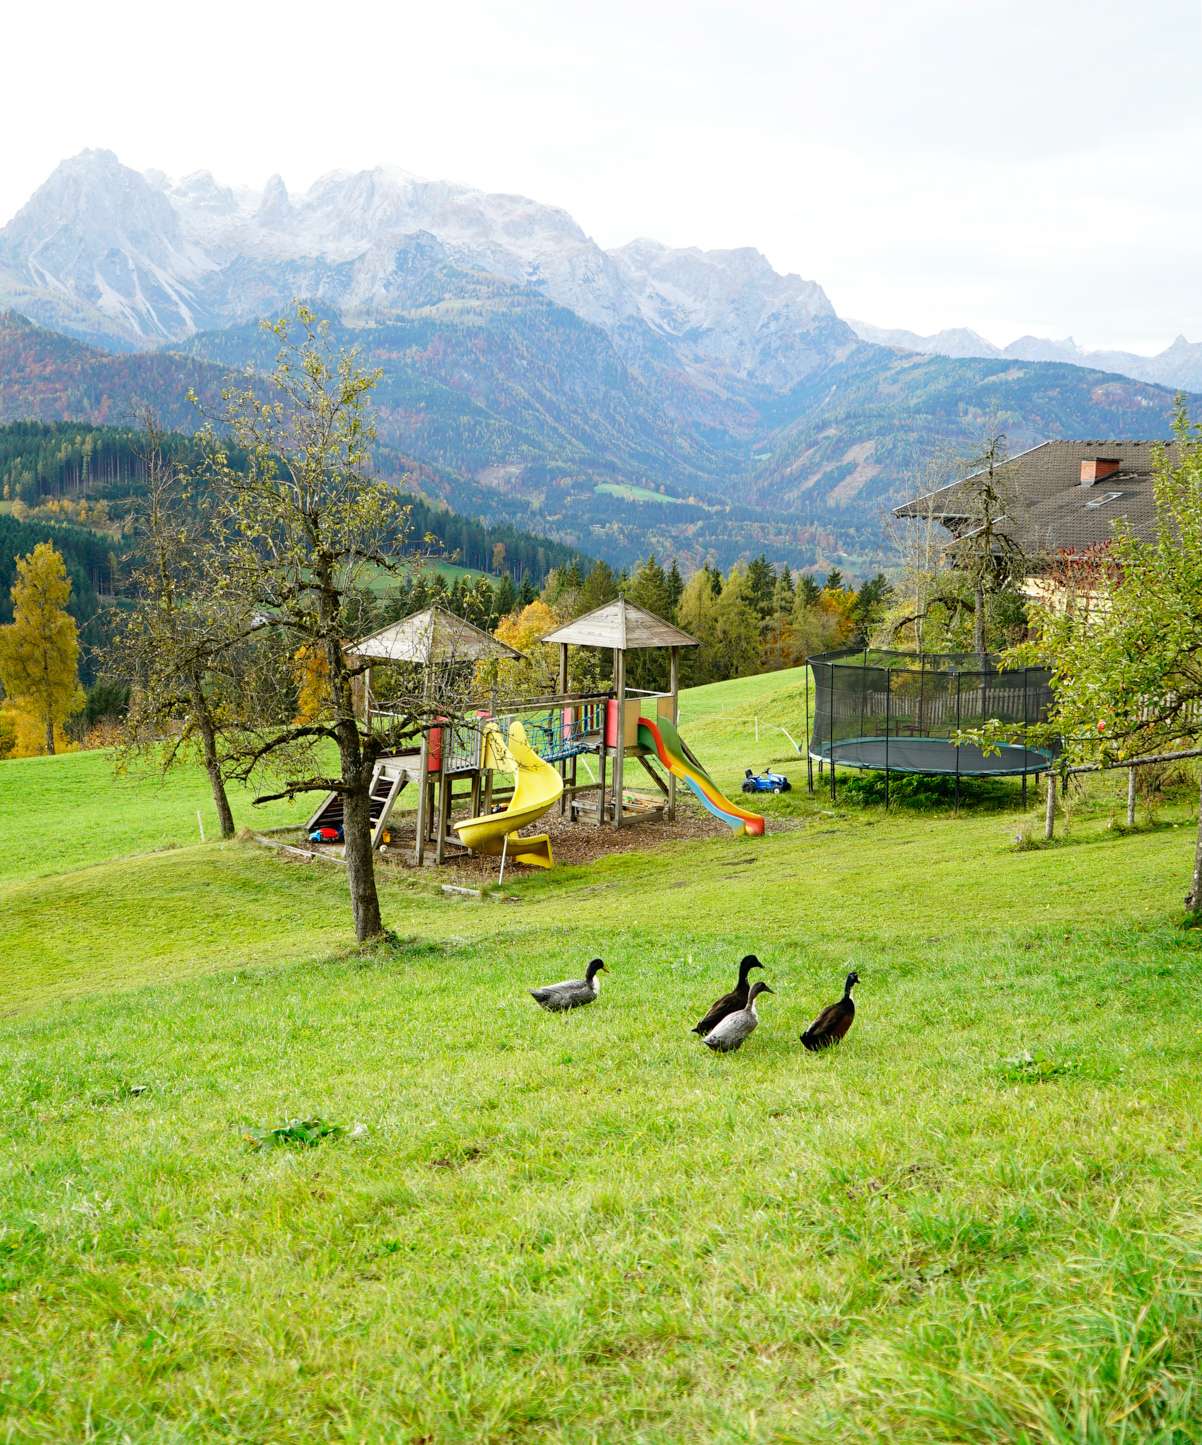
x,y
979,1219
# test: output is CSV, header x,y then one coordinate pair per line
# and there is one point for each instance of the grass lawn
x,y
979,1220
381,582
631,493
70,812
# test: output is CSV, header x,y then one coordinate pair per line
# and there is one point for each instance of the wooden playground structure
x,y
464,772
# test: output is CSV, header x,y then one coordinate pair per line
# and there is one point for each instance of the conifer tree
x,y
785,594
600,587
696,614
808,591
738,640
39,648
760,586
648,588
675,588
505,596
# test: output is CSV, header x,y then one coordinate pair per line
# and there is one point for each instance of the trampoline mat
x,y
934,755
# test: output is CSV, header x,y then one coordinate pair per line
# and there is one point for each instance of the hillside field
x,y
978,1220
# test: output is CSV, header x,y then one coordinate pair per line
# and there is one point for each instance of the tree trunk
x,y
978,620
225,816
208,738
1193,900
356,770
360,856
49,736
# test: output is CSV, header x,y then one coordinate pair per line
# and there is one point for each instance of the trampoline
x,y
935,755
899,712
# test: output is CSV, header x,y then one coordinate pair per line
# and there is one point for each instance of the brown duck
x,y
730,1002
834,1020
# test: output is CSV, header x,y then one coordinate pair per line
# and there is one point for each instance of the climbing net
x,y
557,733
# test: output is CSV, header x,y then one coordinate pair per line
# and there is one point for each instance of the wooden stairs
x,y
388,780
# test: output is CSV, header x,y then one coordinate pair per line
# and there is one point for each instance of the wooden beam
x,y
654,776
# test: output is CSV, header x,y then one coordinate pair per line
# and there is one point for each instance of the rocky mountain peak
x,y
275,205
153,260
104,235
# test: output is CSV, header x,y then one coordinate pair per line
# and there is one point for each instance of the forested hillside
x,y
518,413
74,485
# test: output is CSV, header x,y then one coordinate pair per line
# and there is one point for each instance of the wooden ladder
x,y
388,781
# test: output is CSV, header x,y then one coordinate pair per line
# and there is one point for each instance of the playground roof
x,y
429,635
623,626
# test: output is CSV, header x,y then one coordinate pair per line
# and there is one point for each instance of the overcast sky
x,y
1011,165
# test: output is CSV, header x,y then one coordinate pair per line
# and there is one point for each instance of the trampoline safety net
x,y
898,712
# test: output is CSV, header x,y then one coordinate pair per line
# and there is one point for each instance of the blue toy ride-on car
x,y
766,782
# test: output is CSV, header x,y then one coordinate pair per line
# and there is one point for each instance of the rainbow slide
x,y
673,752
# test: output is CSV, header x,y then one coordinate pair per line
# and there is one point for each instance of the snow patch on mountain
x,y
728,307
161,258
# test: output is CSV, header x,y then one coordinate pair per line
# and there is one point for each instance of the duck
x,y
834,1020
728,1035
573,992
729,1002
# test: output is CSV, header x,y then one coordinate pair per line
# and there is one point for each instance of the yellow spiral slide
x,y
536,787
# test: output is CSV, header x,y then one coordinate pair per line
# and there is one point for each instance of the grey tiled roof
x,y
1047,509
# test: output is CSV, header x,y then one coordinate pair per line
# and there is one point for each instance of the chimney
x,y
1097,469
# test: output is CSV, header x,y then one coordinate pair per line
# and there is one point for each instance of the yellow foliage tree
x,y
538,670
8,732
537,673
39,651
313,683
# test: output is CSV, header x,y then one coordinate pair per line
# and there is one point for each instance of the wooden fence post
x,y
1130,797
1049,825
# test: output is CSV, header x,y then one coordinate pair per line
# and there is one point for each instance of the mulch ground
x,y
571,844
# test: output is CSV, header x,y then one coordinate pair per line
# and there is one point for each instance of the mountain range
x,y
1178,365
695,402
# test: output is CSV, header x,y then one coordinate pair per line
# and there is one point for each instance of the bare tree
x,y
926,587
177,646
959,551
302,526
986,551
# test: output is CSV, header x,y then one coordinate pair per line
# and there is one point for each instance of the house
x,y
1056,501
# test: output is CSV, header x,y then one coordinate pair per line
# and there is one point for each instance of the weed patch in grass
x,y
307,1133
1031,1068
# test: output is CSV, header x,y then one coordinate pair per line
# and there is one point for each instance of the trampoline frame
x,y
980,669
824,753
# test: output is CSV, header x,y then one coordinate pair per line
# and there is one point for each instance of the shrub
x,y
918,790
